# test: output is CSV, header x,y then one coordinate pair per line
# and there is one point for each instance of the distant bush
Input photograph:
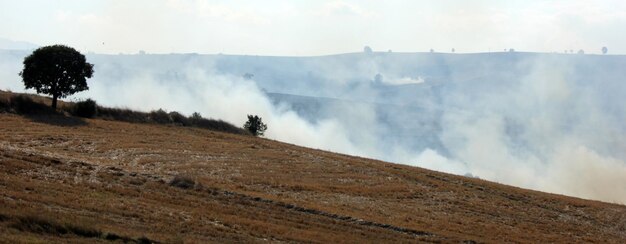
x,y
30,104
255,125
125,239
122,114
160,116
179,119
144,240
183,182
23,104
195,116
220,125
85,109
4,105
367,50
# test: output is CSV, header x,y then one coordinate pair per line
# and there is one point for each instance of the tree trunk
x,y
54,102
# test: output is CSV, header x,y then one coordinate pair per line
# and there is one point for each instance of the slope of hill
x,y
8,44
105,180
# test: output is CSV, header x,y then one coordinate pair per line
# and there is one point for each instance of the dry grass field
x,y
65,179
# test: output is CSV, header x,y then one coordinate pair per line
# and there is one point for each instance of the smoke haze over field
x,y
549,122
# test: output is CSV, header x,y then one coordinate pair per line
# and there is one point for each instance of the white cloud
x,y
275,27
210,11
341,8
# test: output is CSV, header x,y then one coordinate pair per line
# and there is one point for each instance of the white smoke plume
x,y
547,129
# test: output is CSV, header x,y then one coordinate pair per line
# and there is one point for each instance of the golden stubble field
x,y
61,177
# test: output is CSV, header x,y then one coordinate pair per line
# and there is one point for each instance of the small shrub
x,y
180,119
86,109
4,101
220,125
255,125
195,116
112,237
160,116
4,106
125,239
83,231
123,114
23,104
144,240
183,182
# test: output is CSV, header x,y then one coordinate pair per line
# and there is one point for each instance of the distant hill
x,y
16,45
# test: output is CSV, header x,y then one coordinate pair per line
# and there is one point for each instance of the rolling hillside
x,y
64,179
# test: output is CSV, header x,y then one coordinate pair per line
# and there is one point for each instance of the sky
x,y
315,27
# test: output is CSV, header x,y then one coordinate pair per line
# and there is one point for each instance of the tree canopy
x,y
367,50
56,70
255,125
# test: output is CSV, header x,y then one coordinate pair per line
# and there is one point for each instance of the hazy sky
x,y
315,27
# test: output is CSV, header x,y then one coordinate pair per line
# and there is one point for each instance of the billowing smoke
x,y
547,122
558,128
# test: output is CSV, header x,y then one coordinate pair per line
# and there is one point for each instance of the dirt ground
x,y
65,179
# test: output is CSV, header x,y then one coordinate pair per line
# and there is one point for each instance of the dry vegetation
x,y
99,181
34,106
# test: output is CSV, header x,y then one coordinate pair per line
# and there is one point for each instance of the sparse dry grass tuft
x,y
47,224
40,225
183,182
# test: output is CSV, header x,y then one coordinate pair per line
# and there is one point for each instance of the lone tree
x,y
604,50
255,125
56,70
367,50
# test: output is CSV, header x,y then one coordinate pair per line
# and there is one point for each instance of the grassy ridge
x,y
29,104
